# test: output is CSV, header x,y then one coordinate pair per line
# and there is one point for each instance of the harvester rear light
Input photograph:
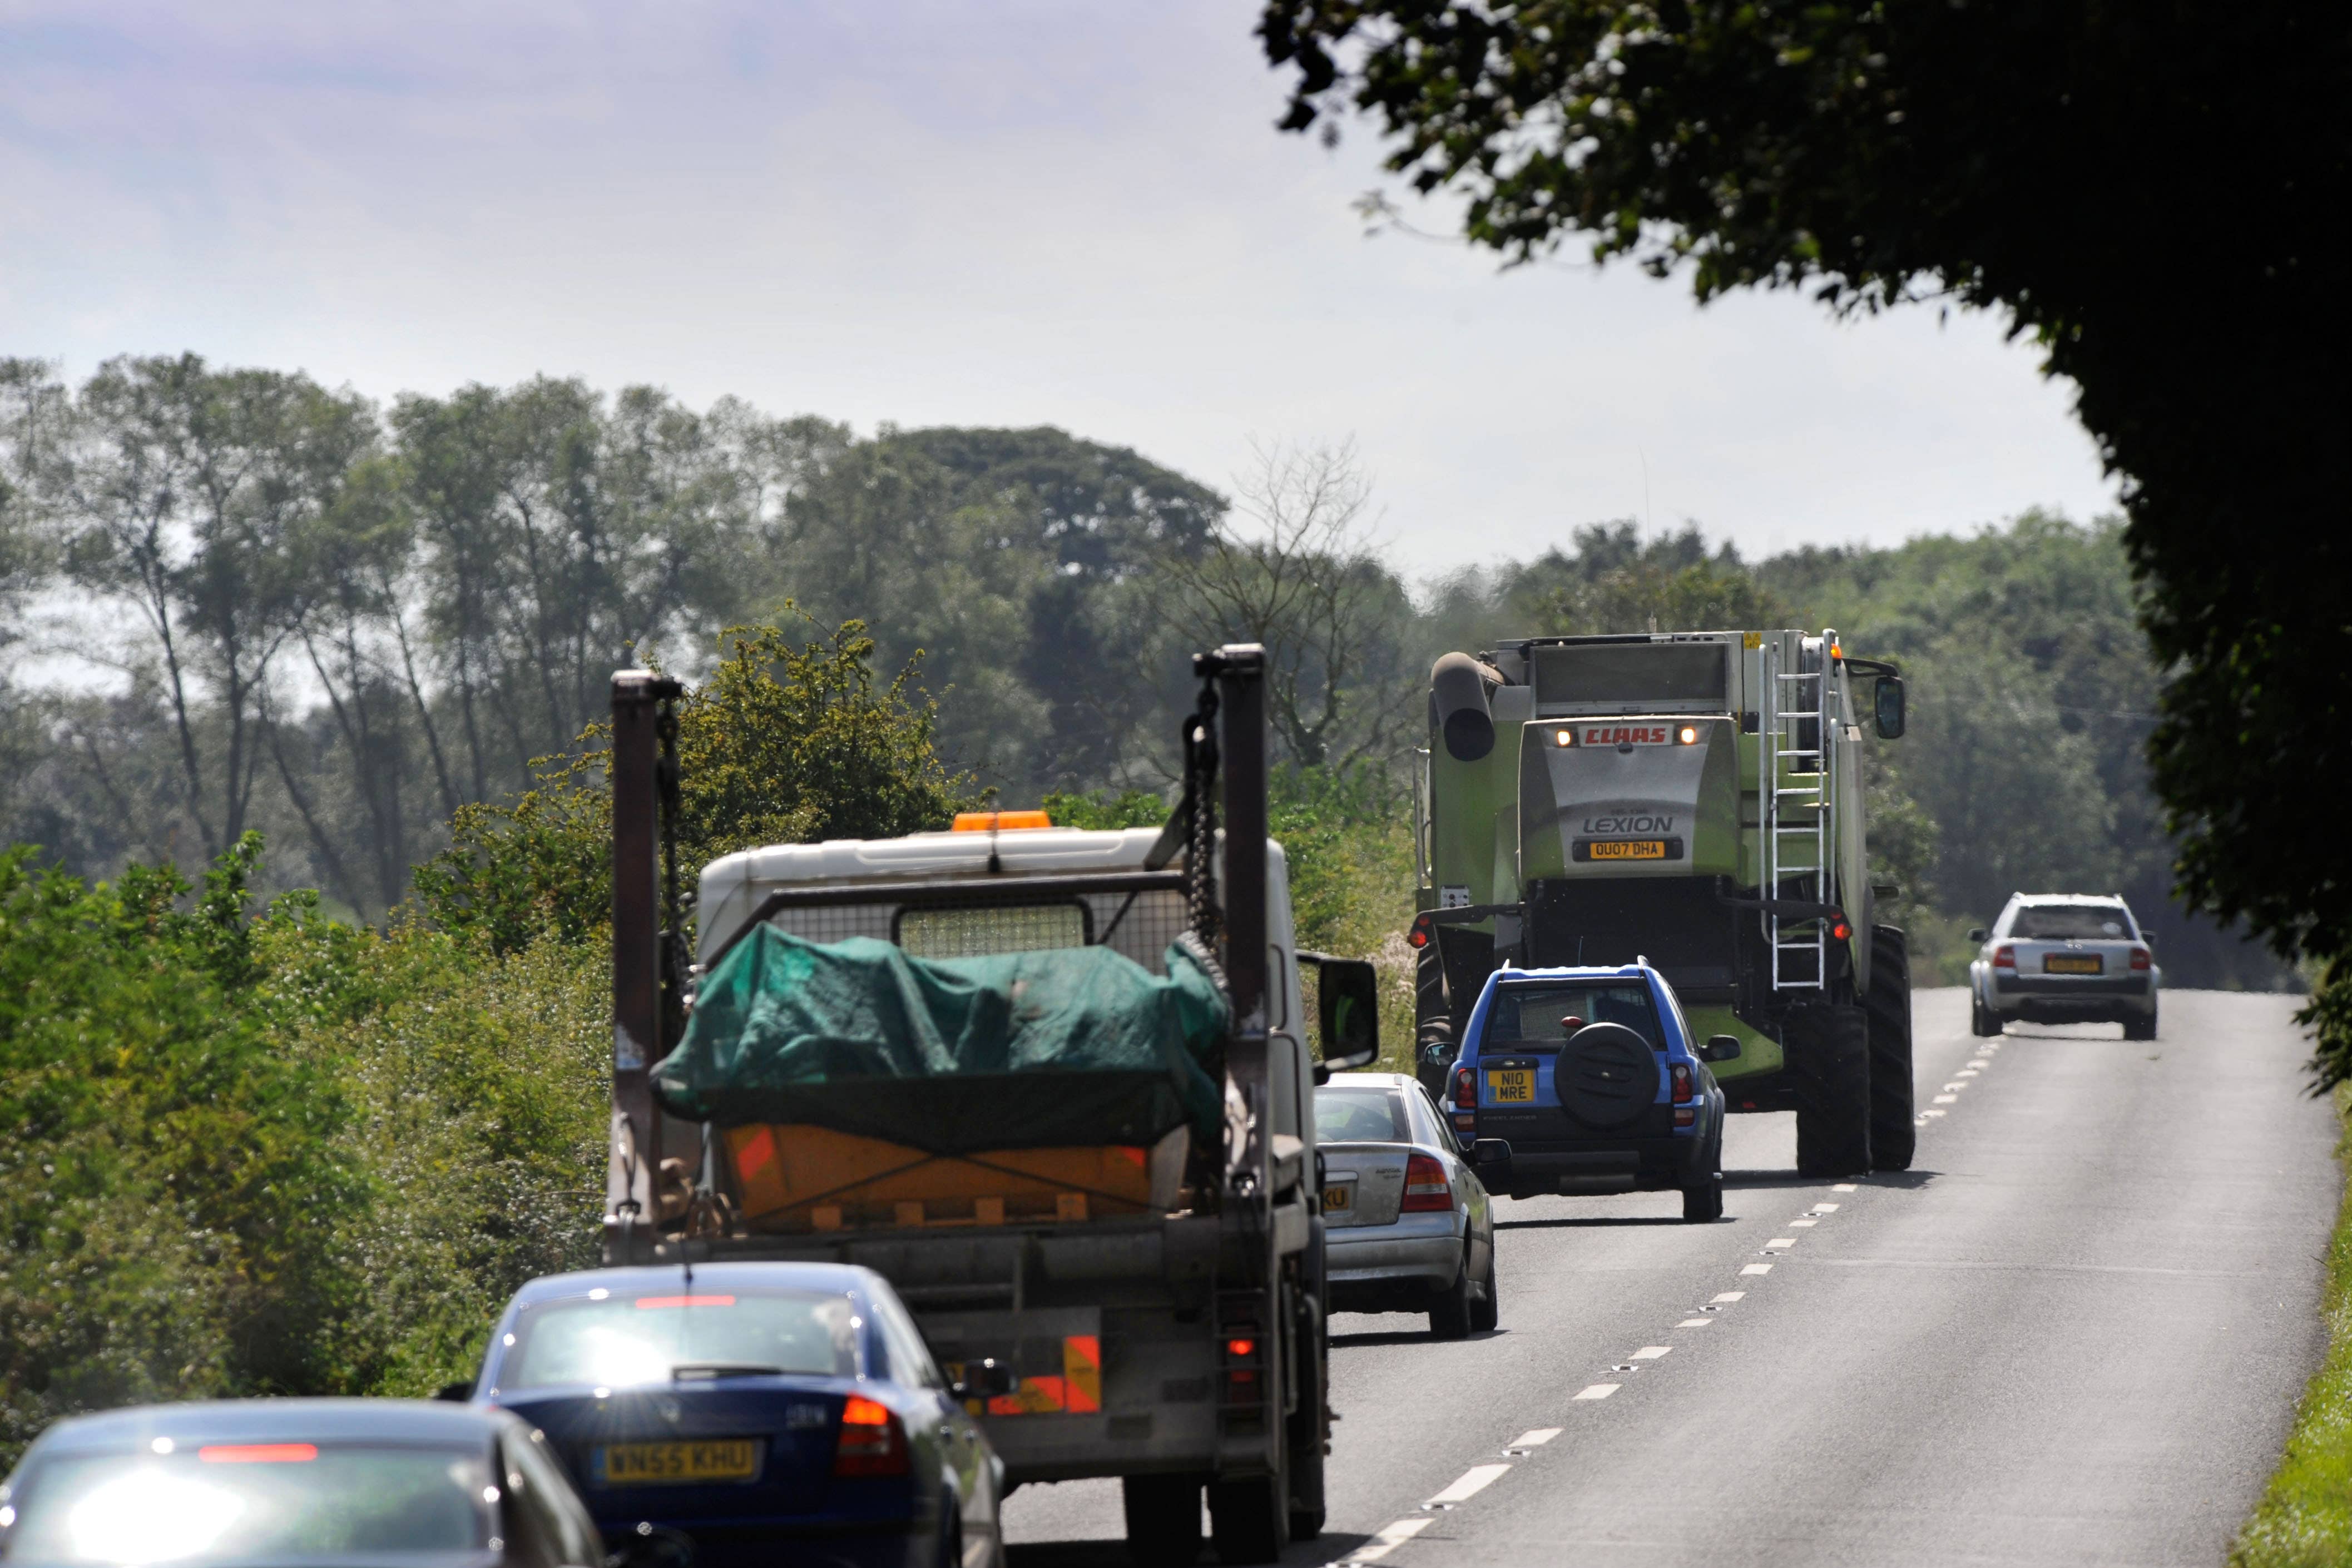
x,y
1840,927
1687,736
1563,737
872,1440
1242,1367
1426,1189
2004,958
1423,932
1681,1077
2140,958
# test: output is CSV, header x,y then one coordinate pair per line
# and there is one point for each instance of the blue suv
x,y
1588,1080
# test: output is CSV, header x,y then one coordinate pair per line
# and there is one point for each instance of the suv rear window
x,y
2071,922
1536,1015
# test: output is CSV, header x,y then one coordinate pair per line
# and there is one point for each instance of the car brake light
x,y
2004,958
1682,1076
1425,1187
872,1441
2139,959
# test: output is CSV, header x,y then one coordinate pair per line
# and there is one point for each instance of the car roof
x,y
831,1279
277,1421
1575,972
2114,899
1370,1080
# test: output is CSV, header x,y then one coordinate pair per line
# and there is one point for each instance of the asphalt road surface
x,y
2074,1332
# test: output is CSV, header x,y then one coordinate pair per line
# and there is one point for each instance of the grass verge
x,y
2304,1519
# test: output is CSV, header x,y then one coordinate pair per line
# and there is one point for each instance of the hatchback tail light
x,y
1425,1187
2004,958
1682,1076
2139,958
872,1441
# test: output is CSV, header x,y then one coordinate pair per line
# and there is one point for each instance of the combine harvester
x,y
1693,799
1054,1085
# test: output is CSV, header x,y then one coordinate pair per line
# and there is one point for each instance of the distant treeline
x,y
339,623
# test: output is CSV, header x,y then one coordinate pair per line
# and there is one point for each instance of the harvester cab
x,y
1693,800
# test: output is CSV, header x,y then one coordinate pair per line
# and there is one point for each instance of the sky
x,y
1072,212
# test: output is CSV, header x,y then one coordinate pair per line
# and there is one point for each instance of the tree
x,y
1305,580
2053,162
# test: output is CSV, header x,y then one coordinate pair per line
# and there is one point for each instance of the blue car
x,y
773,1412
318,1482
1591,1078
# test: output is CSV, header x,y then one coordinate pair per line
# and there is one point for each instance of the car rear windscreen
x,y
1651,675
1540,1016
1360,1116
650,1336
244,1501
2071,922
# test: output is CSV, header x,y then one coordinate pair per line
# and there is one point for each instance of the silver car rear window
x,y
2071,922
1360,1116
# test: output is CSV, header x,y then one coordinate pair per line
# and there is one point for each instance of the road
x,y
2073,1334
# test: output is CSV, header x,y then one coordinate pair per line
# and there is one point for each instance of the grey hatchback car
x,y
1407,1225
2065,957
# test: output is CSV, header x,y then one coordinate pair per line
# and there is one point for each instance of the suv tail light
x,y
872,1441
1465,1089
1682,1076
1425,1187
2004,958
2139,959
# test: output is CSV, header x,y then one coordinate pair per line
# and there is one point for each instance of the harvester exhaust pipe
x,y
1458,685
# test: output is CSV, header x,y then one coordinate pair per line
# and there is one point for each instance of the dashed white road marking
x,y
1731,1295
1827,1207
1782,1242
1535,1438
1473,1481
1757,1268
1389,1538
1845,1187
1694,1323
1946,1099
1599,1391
1652,1352
1924,1115
1955,1086
1802,1224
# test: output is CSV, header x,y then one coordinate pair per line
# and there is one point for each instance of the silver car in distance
x,y
2065,957
1407,1227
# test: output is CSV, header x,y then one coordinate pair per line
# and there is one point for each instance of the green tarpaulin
x,y
1066,1046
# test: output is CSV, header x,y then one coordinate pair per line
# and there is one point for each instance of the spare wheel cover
x,y
1607,1076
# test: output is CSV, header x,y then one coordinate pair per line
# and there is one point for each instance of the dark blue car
x,y
315,1482
1592,1079
774,1413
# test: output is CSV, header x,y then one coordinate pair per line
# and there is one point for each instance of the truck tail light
x,y
1426,1189
872,1440
2004,958
2139,958
1681,1077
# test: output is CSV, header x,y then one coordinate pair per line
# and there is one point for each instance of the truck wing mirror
x,y
1889,703
1720,1047
1347,1013
986,1378
1976,933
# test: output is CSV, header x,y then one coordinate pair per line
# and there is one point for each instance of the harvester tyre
x,y
1893,1135
1829,1059
1163,1519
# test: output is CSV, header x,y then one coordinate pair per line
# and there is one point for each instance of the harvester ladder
x,y
1796,813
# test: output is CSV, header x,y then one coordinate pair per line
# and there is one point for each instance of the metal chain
x,y
673,957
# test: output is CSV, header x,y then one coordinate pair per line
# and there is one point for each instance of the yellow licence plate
x,y
678,1464
1338,1196
1511,1086
1627,849
2072,963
